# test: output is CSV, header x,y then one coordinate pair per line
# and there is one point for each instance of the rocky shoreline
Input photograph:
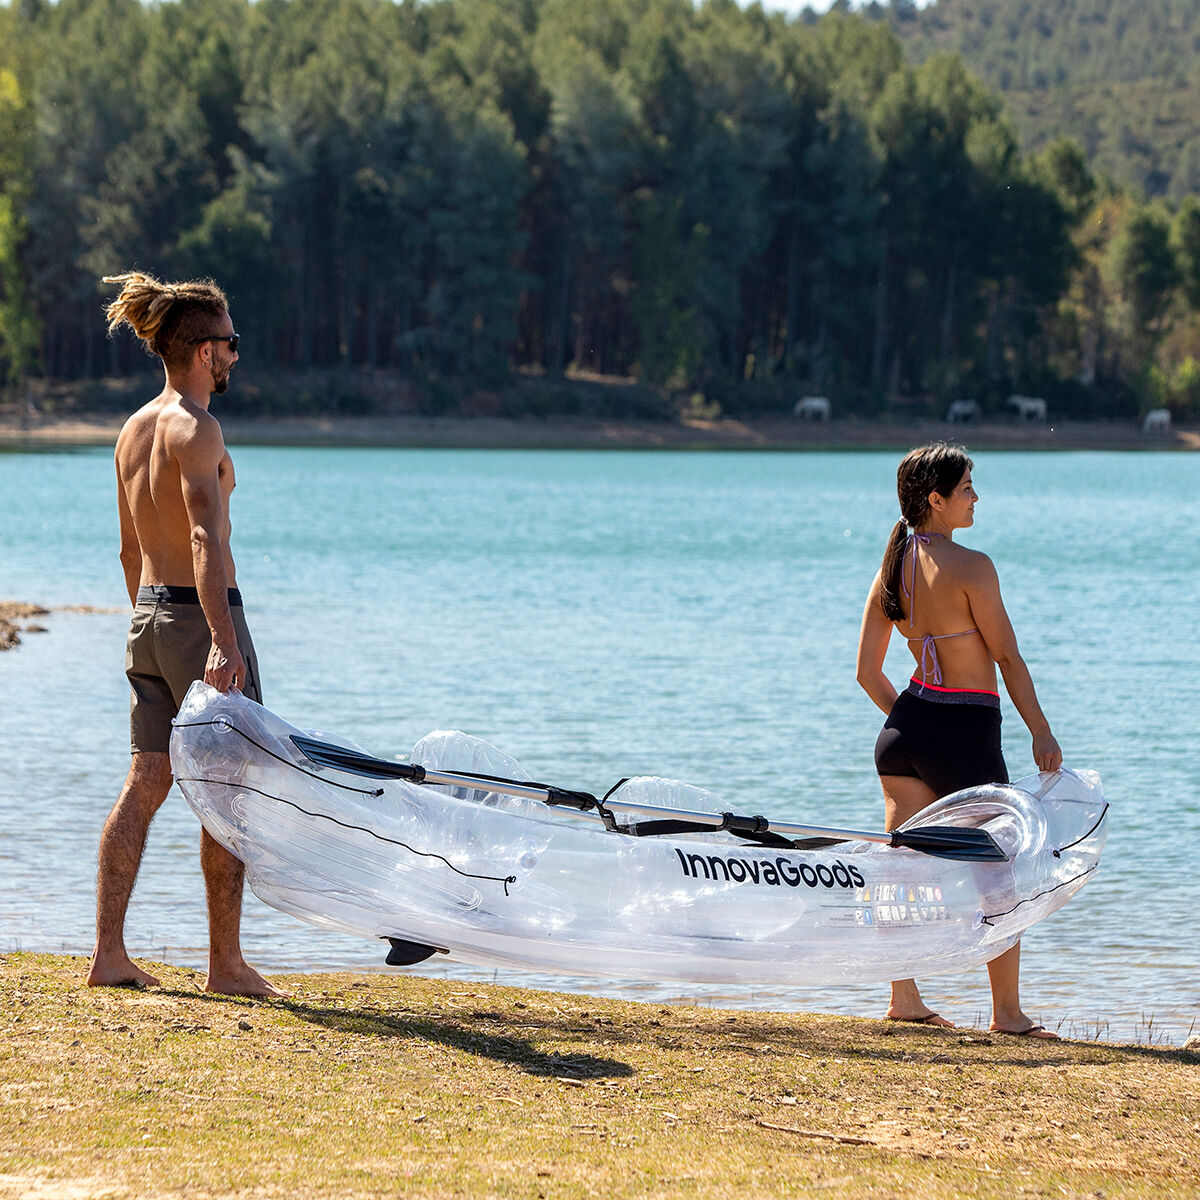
x,y
12,612
18,617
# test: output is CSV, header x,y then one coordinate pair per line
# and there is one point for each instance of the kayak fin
x,y
405,954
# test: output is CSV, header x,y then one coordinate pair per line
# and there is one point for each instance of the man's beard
x,y
221,382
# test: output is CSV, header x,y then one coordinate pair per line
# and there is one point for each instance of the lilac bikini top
x,y
931,669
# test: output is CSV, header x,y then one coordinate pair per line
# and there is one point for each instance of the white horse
x,y
813,408
963,412
1157,420
1029,408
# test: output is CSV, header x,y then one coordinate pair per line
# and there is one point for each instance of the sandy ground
x,y
774,433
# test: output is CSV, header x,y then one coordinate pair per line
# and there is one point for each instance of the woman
x,y
942,733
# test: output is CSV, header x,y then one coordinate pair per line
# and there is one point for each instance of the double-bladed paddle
x,y
941,841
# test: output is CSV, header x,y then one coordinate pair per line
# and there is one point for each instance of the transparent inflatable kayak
x,y
505,880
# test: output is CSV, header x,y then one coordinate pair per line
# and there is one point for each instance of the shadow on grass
x,y
467,1033
489,1033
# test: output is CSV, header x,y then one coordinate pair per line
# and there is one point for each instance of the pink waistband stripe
x,y
934,687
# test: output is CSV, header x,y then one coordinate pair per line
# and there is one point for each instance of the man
x,y
174,480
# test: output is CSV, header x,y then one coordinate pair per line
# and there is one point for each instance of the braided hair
x,y
937,467
169,318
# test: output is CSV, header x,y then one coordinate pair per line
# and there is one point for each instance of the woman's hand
x,y
1046,753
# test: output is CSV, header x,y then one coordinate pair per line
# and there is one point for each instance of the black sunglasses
x,y
231,338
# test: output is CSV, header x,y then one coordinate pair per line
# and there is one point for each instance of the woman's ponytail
x,y
890,573
935,468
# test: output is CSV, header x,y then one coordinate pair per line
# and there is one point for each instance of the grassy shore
x,y
373,1085
489,432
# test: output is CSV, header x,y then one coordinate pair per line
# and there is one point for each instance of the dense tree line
x,y
1121,77
717,202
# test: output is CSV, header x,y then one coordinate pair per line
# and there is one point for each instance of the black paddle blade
x,y
948,841
814,843
325,754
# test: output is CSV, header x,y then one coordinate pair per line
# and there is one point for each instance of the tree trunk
x,y
560,314
948,313
878,345
791,322
992,359
372,319
1090,348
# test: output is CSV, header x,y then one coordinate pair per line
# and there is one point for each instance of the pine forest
x,y
729,208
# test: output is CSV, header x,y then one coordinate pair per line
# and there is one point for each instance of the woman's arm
x,y
873,641
991,619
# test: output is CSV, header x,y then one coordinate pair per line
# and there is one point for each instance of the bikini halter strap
x,y
931,668
910,566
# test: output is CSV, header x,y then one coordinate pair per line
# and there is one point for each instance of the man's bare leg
x,y
121,847
228,972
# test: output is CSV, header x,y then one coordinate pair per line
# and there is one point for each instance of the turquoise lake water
x,y
602,614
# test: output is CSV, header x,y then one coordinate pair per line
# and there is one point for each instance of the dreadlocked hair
x,y
169,318
937,467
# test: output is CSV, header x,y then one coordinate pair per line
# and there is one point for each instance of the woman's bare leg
x,y
1007,1016
904,797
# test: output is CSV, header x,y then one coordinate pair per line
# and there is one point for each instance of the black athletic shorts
x,y
948,739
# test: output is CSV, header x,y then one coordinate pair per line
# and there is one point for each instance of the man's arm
x,y
199,456
131,548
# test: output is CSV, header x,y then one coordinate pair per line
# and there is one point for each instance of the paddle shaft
x,y
946,841
755,824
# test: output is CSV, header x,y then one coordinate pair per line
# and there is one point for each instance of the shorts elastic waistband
x,y
945,695
170,593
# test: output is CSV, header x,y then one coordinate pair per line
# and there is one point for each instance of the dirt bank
x,y
768,433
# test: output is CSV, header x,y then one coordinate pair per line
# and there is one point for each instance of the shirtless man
x,y
174,479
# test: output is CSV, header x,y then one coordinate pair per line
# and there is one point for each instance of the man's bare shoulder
x,y
141,421
136,438
188,431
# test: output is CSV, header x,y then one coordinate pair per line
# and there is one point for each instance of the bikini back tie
x,y
931,668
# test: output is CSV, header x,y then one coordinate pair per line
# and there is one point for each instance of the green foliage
x,y
19,328
698,197
1141,267
1185,237
1177,389
1119,77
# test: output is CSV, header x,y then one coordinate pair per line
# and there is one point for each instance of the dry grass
x,y
388,1085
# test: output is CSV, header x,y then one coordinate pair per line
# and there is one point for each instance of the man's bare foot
x,y
242,980
928,1017
118,970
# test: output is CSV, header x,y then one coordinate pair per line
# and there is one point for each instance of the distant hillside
x,y
1121,77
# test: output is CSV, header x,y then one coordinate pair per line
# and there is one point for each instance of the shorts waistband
x,y
945,695
170,593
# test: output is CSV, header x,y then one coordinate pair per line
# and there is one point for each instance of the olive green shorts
x,y
167,650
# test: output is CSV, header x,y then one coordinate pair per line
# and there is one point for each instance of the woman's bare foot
x,y
930,1018
907,1005
1039,1032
